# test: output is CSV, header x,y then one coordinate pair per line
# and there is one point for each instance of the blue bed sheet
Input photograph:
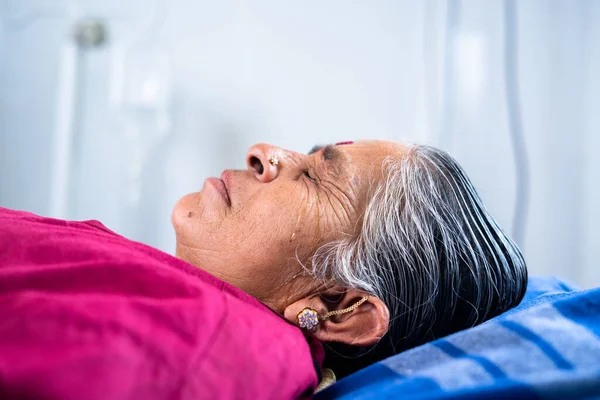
x,y
548,347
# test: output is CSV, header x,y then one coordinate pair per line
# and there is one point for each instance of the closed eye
x,y
307,174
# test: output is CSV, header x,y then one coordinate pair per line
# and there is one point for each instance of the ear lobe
x,y
363,326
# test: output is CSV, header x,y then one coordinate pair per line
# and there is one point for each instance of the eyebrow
x,y
329,152
315,148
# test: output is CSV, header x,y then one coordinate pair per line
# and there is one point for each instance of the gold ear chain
x,y
309,319
344,310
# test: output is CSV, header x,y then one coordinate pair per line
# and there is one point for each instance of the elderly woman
x,y
369,248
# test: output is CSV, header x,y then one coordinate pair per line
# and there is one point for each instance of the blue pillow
x,y
547,347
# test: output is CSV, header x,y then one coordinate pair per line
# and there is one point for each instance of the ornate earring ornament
x,y
309,318
273,161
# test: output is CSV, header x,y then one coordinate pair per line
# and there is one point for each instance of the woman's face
x,y
252,227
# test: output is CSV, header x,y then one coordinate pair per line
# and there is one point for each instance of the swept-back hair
x,y
429,249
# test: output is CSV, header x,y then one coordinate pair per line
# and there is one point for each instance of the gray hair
x,y
429,249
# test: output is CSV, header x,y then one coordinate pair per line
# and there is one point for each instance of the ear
x,y
364,326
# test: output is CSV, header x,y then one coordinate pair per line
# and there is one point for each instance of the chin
x,y
197,212
183,210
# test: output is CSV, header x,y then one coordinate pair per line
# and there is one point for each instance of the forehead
x,y
360,151
364,159
372,150
362,162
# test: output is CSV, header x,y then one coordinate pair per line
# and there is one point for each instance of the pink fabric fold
x,y
86,313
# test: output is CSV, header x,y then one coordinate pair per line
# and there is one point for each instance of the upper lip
x,y
226,178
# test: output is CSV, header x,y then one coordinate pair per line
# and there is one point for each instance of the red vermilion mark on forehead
x,y
342,143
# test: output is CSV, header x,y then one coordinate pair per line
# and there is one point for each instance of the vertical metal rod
x,y
64,130
515,121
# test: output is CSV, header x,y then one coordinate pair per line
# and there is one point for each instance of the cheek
x,y
330,219
304,232
274,228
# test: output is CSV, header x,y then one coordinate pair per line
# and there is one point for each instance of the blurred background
x,y
112,110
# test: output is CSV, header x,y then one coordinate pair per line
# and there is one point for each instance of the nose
x,y
262,160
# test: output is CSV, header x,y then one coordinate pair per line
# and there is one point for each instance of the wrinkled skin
x,y
253,227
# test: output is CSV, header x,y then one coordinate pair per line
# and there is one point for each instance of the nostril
x,y
256,165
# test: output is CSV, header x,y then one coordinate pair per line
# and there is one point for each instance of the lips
x,y
221,187
226,179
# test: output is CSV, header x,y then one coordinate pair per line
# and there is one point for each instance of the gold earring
x,y
309,318
273,161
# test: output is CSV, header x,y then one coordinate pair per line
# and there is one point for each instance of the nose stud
x,y
273,161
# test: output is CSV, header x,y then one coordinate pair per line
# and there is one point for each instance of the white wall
x,y
300,73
